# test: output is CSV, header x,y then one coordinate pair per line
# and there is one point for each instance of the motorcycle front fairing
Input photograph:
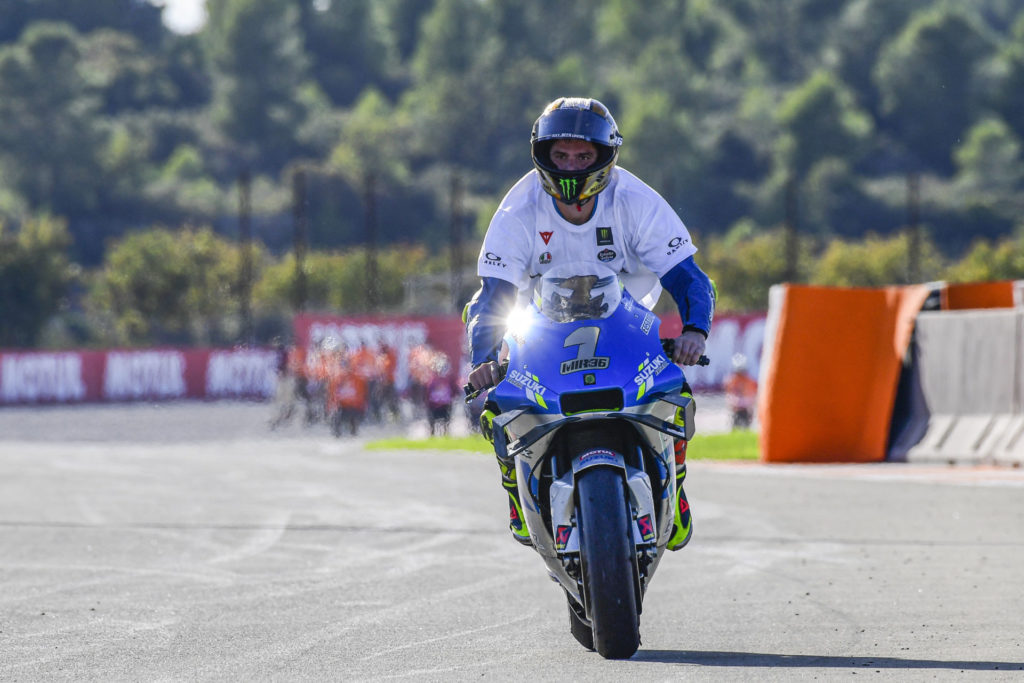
x,y
560,373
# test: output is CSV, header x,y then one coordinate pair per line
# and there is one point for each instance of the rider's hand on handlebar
x,y
484,375
689,348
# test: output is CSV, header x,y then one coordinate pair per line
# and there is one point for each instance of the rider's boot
x,y
682,526
516,521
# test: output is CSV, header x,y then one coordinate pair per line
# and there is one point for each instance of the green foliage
x,y
926,77
745,263
34,278
260,63
50,140
990,159
819,120
988,262
114,123
473,443
1009,96
874,262
373,137
348,48
167,286
336,281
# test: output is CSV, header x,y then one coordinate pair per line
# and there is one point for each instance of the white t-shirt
x,y
633,230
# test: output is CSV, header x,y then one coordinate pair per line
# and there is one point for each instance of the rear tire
x,y
608,557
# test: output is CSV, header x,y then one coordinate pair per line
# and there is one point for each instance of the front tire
x,y
608,558
578,626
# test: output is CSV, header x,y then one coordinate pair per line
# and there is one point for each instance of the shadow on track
x,y
755,659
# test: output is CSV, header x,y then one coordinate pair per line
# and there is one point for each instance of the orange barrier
x,y
977,295
828,386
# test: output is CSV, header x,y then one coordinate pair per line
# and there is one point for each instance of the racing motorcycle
x,y
585,411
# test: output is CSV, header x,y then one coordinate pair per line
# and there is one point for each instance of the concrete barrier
x,y
964,389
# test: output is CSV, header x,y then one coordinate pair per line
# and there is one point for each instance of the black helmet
x,y
576,118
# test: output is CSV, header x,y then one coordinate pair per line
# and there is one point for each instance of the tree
x,y
141,19
35,275
256,50
990,159
1009,98
986,262
369,157
51,139
862,31
873,262
649,124
744,264
926,80
336,281
820,120
347,47
126,76
164,286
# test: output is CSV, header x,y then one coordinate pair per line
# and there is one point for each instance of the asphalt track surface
x,y
187,542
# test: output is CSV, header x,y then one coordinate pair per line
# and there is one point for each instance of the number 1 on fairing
x,y
586,339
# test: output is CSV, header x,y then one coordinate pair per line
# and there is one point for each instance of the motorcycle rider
x,y
596,211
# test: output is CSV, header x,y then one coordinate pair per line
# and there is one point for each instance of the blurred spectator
x,y
740,393
346,396
440,392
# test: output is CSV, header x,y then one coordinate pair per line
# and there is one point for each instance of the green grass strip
x,y
473,442
737,445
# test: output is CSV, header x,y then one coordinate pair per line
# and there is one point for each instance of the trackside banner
x,y
28,377
136,375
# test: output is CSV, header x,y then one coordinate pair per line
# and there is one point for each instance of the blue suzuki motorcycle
x,y
586,413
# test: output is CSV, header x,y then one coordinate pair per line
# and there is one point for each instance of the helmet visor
x,y
581,124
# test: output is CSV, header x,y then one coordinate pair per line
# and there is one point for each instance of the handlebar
x,y
472,393
667,345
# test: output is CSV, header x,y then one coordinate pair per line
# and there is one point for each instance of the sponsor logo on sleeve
x,y
492,259
675,243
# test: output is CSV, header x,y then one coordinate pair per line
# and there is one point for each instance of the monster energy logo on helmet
x,y
568,186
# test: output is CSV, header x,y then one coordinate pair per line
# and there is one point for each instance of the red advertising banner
x,y
167,374
136,375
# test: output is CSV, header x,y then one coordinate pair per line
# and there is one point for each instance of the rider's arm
x,y
693,293
486,315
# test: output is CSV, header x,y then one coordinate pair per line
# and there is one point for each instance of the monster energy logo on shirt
x,y
568,186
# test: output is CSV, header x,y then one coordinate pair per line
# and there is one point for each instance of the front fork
x,y
644,519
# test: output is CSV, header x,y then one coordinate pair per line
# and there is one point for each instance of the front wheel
x,y
608,558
